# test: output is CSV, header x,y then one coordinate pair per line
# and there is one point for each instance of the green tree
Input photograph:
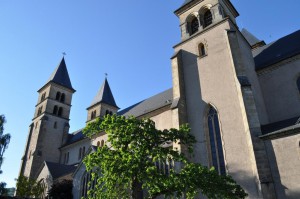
x,y
128,164
4,140
61,190
30,188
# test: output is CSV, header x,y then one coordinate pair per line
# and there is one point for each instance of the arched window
x,y
57,96
215,142
207,18
55,109
202,51
93,115
79,154
106,112
40,110
60,111
102,143
298,84
62,97
194,25
98,143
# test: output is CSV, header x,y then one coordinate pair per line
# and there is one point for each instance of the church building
x,y
240,96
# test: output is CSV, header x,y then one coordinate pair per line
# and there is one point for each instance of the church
x,y
240,96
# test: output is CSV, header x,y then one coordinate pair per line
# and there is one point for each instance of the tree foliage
x,y
30,188
127,164
61,190
4,140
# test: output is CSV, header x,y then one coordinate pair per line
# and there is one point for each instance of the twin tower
x,y
50,125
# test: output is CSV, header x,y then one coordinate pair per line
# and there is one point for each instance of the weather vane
x,y
105,75
64,53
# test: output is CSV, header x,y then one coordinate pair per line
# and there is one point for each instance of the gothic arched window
x,y
194,25
60,111
207,18
298,84
98,144
62,97
57,96
102,143
215,142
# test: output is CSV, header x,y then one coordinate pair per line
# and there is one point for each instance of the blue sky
x,y
130,40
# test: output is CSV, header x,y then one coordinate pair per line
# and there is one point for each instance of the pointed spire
x,y
61,76
104,95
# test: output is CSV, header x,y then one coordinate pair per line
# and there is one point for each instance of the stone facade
x,y
255,130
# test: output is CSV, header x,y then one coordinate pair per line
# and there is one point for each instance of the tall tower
x,y
50,124
103,103
216,86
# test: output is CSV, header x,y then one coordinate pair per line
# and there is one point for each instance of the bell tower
x,y
216,86
103,103
50,124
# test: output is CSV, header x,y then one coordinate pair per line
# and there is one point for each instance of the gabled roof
x,y
277,51
57,170
61,76
104,95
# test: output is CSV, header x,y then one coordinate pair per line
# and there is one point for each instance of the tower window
x,y
102,143
98,143
62,97
202,51
298,84
40,110
55,109
207,18
93,115
57,96
216,148
60,111
194,25
43,96
55,125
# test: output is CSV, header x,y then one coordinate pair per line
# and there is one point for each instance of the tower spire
x,y
104,95
61,76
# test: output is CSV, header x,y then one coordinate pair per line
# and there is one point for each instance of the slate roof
x,y
157,101
61,76
277,51
252,40
276,126
104,95
57,170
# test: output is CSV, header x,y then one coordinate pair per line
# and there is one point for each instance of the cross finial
x,y
64,53
105,75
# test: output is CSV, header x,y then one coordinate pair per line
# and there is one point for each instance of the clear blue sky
x,y
130,40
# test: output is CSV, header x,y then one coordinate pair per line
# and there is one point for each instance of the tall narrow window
x,y
57,96
79,154
55,125
207,18
216,149
60,111
62,97
55,109
298,84
202,51
83,152
194,25
98,144
102,143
